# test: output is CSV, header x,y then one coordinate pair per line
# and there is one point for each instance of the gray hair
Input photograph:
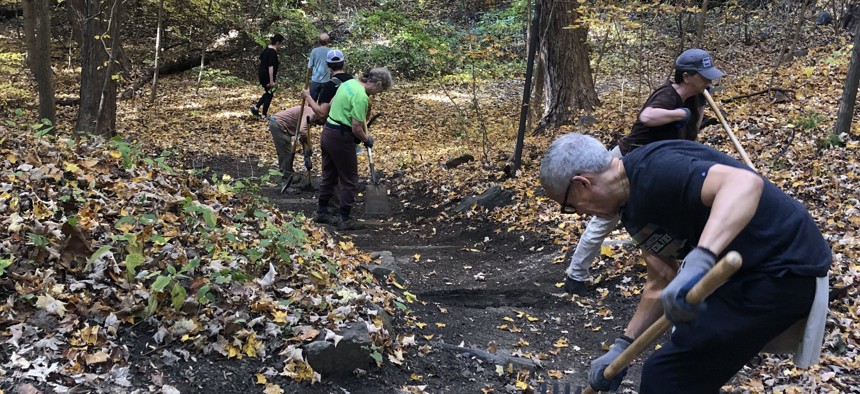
x,y
569,155
379,74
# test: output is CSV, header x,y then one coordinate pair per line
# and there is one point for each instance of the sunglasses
x,y
565,207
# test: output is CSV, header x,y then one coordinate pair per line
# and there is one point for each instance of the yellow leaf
x,y
115,154
416,377
559,284
561,342
440,324
410,297
428,337
420,325
507,319
521,385
417,257
96,358
273,389
555,374
279,316
261,379
607,251
71,167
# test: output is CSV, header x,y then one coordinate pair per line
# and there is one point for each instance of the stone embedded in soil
x,y
339,362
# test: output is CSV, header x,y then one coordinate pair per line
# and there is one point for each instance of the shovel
x,y
710,282
375,195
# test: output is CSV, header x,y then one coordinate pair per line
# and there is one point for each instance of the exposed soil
x,y
470,279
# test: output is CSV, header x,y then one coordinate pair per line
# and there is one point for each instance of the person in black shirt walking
x,y
268,74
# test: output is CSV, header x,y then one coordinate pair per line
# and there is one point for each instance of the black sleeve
x,y
327,93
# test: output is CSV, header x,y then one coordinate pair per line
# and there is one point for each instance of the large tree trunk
x,y
568,83
849,92
99,22
37,33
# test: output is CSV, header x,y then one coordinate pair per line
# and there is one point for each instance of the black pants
x,y
265,100
741,317
339,166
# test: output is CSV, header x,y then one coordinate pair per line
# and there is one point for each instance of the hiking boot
x,y
573,286
349,225
325,218
255,111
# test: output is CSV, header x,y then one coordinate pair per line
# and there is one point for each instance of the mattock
x,y
556,388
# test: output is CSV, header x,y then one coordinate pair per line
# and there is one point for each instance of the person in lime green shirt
x,y
344,129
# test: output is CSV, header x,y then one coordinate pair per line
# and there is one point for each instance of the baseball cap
x,y
334,56
699,61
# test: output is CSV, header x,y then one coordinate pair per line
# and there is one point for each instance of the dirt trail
x,y
479,288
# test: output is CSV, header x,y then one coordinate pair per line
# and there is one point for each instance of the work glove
x,y
369,142
683,122
697,263
595,374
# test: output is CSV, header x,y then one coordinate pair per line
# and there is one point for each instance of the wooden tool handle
x,y
731,134
718,275
301,111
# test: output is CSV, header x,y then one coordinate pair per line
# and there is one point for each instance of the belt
x,y
339,127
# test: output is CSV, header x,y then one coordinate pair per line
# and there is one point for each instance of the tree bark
x,y
37,33
99,22
849,92
701,27
568,81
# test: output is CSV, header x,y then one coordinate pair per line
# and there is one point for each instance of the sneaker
x,y
255,111
573,286
349,225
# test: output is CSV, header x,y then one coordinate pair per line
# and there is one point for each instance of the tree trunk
x,y
37,33
849,92
157,49
701,27
99,22
203,48
568,82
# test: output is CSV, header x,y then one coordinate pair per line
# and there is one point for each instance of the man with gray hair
x,y
682,200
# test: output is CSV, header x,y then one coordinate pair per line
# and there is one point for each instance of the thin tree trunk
x,y
849,92
98,21
785,50
37,32
701,27
203,48
157,50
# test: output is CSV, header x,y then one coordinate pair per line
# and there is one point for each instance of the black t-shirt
x,y
269,57
665,97
330,88
665,214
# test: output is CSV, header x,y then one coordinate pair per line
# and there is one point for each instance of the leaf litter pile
x,y
96,241
98,238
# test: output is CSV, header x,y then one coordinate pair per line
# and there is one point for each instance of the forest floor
x,y
483,280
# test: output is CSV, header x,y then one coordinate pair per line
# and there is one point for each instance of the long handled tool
x,y
718,275
375,195
734,139
298,126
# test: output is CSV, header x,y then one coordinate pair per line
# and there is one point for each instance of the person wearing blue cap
x,y
317,64
673,111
